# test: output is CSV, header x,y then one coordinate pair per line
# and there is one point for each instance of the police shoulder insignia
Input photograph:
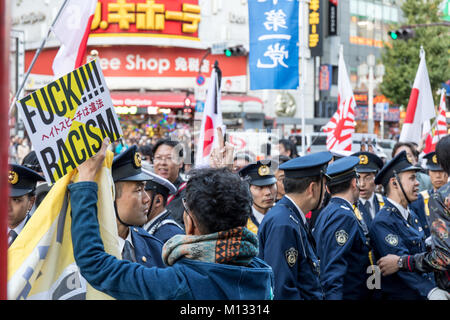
x,y
263,170
341,237
392,239
13,177
363,159
137,160
291,256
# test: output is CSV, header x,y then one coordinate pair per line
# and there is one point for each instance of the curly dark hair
x,y
218,199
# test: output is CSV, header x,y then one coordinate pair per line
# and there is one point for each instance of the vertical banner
x,y
332,17
315,28
273,55
68,119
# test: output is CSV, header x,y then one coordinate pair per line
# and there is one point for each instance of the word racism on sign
x,y
68,119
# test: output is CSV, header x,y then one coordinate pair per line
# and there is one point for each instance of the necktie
x,y
13,236
128,252
367,207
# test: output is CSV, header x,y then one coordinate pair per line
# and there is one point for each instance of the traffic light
x,y
235,51
402,34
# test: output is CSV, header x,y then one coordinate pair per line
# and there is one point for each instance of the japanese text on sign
x,y
68,119
145,16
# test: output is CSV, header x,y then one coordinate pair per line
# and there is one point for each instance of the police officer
x,y
369,202
285,240
22,182
159,221
132,204
263,189
438,178
341,236
396,229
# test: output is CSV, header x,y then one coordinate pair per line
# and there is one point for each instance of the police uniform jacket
x,y
186,279
390,233
164,227
420,208
343,250
287,248
147,248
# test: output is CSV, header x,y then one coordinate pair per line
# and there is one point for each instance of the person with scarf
x,y
216,259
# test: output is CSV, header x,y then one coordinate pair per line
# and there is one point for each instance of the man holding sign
x,y
68,119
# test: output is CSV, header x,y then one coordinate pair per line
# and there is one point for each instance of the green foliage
x,y
401,58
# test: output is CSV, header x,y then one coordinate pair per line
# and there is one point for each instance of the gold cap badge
x,y
263,170
363,159
434,159
409,158
137,160
13,177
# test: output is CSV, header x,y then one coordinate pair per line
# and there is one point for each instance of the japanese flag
x,y
342,125
420,106
72,30
212,119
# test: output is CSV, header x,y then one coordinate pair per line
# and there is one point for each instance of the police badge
x,y
363,159
137,160
434,159
13,177
263,170
291,256
392,239
341,237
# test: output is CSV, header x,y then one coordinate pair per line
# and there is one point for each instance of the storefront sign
x,y
315,28
332,17
391,115
152,18
68,119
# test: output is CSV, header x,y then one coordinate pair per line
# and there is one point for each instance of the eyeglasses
x,y
162,159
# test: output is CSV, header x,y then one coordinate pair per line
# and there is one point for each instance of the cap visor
x,y
264,182
14,192
139,177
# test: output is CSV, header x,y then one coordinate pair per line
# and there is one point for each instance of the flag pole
x,y
4,74
36,55
302,16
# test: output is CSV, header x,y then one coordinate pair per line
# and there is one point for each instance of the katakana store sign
x,y
177,19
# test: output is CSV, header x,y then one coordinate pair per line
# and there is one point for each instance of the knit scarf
x,y
237,246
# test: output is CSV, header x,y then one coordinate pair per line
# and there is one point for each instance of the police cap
x,y
400,163
432,163
368,162
342,170
22,180
127,165
159,184
311,165
258,173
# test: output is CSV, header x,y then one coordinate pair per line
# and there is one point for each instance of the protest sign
x,y
68,119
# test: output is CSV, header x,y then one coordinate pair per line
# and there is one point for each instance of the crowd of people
x,y
318,226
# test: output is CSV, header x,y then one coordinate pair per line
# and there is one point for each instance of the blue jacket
x,y
391,233
343,250
186,279
366,215
286,247
419,209
147,248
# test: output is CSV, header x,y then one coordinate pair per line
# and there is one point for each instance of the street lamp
x,y
366,75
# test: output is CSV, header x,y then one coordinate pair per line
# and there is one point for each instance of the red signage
x,y
167,18
149,61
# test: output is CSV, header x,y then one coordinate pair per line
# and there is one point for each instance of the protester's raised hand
x,y
223,155
89,169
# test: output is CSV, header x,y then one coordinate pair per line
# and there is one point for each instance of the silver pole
x,y
36,55
303,25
